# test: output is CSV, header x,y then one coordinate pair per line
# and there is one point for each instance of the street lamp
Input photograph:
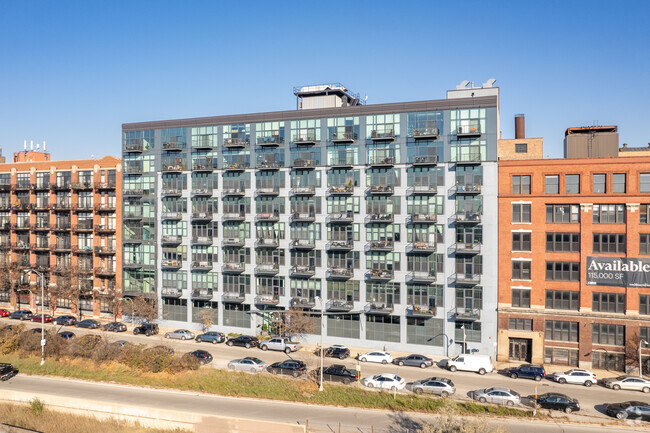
x,y
641,343
40,275
322,349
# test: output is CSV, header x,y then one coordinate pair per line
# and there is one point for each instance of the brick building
x,y
556,218
60,219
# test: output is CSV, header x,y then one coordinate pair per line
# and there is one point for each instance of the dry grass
x,y
39,418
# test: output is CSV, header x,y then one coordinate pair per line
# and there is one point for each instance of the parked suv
x,y
21,315
337,351
7,371
146,329
535,372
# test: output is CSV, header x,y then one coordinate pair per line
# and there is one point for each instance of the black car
x,y
290,367
535,372
340,352
64,320
7,371
557,401
629,410
339,373
243,341
203,356
21,315
114,327
88,323
66,335
414,361
147,329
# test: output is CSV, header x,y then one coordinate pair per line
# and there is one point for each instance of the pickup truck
x,y
280,344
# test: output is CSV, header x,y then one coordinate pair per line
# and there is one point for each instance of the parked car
x,y
7,371
88,323
180,334
497,395
384,381
627,382
338,373
211,337
381,357
4,313
280,345
66,335
250,364
21,315
203,356
434,385
528,371
290,367
64,320
576,375
337,351
629,410
414,361
243,341
480,364
147,329
114,327
45,318
557,401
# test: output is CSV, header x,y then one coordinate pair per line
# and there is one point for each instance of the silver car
x,y
627,382
180,334
434,385
250,364
498,395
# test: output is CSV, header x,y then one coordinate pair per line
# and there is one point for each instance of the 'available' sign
x,y
618,271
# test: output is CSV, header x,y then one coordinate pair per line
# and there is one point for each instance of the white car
x,y
627,382
576,375
180,334
384,381
380,357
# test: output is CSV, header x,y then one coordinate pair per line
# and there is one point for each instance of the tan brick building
x,y
61,219
557,216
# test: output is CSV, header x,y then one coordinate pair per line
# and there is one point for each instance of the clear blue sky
x,y
71,72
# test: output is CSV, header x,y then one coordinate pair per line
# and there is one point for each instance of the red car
x,y
4,313
39,318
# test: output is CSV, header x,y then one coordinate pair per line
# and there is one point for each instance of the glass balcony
x,y
133,148
233,192
171,240
132,192
302,271
379,275
380,246
302,302
105,250
471,128
464,188
131,264
202,265
235,143
270,140
343,136
472,158
381,157
422,189
340,190
198,192
171,264
465,248
267,300
269,164
204,142
171,292
103,271
421,219
202,294
422,247
173,165
233,298
171,216
302,244
204,215
339,273
342,161
426,133
132,215
267,191
378,308
380,190
267,243
424,277
339,246
424,160
267,269
464,279
203,164
105,207
202,240
174,144
132,168
420,311
236,162
233,216
466,314
233,268
339,305
468,217
305,137
302,190
304,163
268,216
233,242
379,218
172,191
297,217
382,134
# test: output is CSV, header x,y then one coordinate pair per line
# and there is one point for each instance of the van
x,y
480,364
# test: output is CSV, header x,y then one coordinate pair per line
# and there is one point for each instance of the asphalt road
x,y
592,400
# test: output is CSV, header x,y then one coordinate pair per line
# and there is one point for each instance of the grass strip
x,y
237,384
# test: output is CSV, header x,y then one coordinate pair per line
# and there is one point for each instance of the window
x,y
521,213
644,212
521,184
562,271
644,305
521,242
644,182
619,183
561,331
608,302
521,298
645,335
609,243
565,242
562,213
520,324
613,335
599,183
608,361
560,356
609,214
572,184
468,331
520,270
562,300
644,243
552,184
521,147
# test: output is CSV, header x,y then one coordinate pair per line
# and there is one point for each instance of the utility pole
x,y
43,341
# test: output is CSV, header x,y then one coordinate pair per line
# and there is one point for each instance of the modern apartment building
x,y
574,261
60,219
380,218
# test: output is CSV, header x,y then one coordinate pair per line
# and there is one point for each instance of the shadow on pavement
x,y
404,423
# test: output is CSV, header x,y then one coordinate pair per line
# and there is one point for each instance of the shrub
x,y
36,406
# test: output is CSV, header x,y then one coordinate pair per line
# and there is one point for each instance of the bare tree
x,y
206,318
297,323
12,277
140,307
71,283
110,296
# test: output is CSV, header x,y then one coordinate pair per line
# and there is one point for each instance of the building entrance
x,y
520,349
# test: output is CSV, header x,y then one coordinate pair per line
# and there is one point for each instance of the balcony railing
x,y
266,300
61,206
341,218
202,265
40,226
173,145
422,189
381,161
82,185
426,133
420,311
464,279
304,163
302,271
201,191
298,217
233,268
384,135
105,271
40,246
271,140
233,192
83,226
132,192
234,143
464,188
425,160
343,137
269,164
105,250
236,165
380,190
202,240
171,264
104,228
171,239
305,190
379,218
425,277
233,242
267,269
233,298
466,314
339,245
305,139
302,302
340,190
40,206
378,308
302,244
171,216
82,207
233,216
133,169
473,158
175,166
465,248
420,247
267,243
133,148
20,226
386,245
172,191
339,273
203,294
203,165
21,186
82,249
270,191
346,161
421,219
339,305
60,227
270,217
466,218
171,292
379,275
472,129
202,215
21,206
105,185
